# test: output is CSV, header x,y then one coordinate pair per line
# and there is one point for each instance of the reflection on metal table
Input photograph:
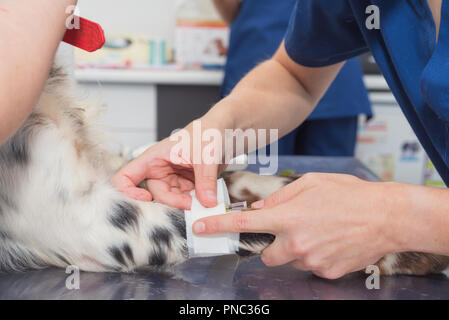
x,y
227,277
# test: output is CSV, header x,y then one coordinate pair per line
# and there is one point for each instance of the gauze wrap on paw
x,y
211,245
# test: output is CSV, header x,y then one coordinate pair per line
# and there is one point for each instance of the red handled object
x,y
89,36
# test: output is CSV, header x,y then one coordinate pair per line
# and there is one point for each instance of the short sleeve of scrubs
x,y
323,32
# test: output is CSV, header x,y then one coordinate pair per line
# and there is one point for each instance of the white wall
x,y
155,18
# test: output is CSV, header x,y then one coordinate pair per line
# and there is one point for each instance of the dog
x,y
58,207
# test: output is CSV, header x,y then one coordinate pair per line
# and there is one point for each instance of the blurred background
x,y
162,67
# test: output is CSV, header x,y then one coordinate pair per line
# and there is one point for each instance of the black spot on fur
x,y
249,238
160,236
178,222
13,261
15,257
76,116
57,75
3,235
124,215
56,71
117,255
128,252
157,258
18,149
259,239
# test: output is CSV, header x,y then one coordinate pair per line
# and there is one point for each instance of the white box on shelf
x,y
201,44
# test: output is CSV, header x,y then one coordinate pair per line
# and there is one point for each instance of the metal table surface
x,y
228,277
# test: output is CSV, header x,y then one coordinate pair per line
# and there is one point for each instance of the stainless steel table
x,y
228,277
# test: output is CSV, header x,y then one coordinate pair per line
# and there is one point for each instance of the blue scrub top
x,y
324,32
257,33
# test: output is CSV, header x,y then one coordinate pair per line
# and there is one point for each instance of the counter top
x,y
223,278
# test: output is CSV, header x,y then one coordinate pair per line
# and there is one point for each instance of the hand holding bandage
x,y
211,245
322,223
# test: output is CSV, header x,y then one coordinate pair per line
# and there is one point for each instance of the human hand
x,y
170,176
330,224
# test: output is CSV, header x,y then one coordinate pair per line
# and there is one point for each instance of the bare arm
x,y
228,9
31,33
278,94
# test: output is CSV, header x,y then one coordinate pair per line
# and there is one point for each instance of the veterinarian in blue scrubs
x,y
336,224
256,32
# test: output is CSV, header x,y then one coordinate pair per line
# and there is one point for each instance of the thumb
x,y
282,195
206,184
124,183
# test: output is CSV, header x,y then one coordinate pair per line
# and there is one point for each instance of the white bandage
x,y
211,245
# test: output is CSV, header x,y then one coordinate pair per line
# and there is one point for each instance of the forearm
x,y
228,9
419,218
278,94
31,33
267,98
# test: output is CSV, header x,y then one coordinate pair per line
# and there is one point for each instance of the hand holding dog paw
x,y
170,175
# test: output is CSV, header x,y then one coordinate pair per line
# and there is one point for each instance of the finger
x,y
282,195
186,185
277,254
162,194
206,184
137,194
237,222
130,176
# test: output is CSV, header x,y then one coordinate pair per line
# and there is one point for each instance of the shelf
x,y
166,77
181,77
